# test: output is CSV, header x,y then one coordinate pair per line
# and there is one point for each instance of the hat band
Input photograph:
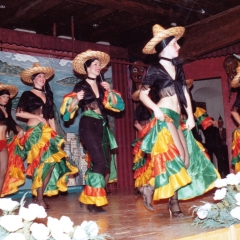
x,y
161,45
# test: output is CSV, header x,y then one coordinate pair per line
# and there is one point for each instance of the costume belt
x,y
111,138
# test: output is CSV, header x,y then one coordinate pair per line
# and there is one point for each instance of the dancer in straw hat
x,y
48,164
164,139
93,96
10,169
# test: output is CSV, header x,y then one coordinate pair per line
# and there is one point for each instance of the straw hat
x,y
235,83
189,83
80,59
160,33
36,68
135,95
11,88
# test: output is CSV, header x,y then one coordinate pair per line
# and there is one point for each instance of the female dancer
x,y
165,140
48,164
13,175
93,95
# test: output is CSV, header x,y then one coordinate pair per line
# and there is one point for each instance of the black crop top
x,y
31,103
90,101
9,122
158,78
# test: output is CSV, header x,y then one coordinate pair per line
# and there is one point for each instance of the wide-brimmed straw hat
x,y
189,83
135,95
235,83
160,33
36,68
80,59
11,88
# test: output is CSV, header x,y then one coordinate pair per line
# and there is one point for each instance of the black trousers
x,y
91,135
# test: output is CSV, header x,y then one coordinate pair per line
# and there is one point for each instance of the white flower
x,y
238,176
11,222
91,228
220,194
79,234
39,231
32,212
53,223
235,213
237,197
6,204
232,179
14,236
219,183
207,206
202,213
66,224
59,235
41,213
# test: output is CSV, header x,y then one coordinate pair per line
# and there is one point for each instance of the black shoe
x,y
147,193
90,207
97,209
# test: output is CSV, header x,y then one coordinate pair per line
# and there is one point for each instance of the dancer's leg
x,y
3,166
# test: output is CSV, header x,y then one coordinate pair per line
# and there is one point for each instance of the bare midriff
x,y
170,102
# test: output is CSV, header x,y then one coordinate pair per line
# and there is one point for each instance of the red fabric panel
x,y
124,130
54,43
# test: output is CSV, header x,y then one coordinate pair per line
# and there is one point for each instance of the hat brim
x,y
80,59
13,90
177,32
235,83
27,74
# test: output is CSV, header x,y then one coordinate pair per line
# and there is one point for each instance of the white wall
x,y
210,92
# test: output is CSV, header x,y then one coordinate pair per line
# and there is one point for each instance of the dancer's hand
x,y
80,95
106,86
43,120
20,134
190,123
158,113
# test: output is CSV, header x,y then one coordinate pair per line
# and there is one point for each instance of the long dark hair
x,y
9,104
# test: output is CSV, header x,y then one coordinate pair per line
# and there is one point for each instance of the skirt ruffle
x,y
94,191
45,156
201,170
15,170
236,150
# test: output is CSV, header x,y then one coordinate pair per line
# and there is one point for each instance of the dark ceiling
x,y
122,23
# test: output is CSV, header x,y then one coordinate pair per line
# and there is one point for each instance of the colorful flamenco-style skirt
x,y
201,170
94,191
236,150
15,170
44,156
163,167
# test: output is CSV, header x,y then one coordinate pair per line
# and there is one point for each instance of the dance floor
x,y
127,218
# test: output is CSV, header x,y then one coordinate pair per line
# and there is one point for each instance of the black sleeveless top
x,y
162,84
90,101
31,103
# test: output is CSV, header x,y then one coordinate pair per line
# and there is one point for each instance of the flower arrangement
x,y
23,227
226,211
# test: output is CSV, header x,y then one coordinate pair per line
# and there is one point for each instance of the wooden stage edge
x,y
127,218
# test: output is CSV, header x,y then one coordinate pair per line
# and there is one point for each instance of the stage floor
x,y
127,218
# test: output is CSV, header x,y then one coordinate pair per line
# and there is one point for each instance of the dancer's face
x,y
94,69
171,50
4,99
39,80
